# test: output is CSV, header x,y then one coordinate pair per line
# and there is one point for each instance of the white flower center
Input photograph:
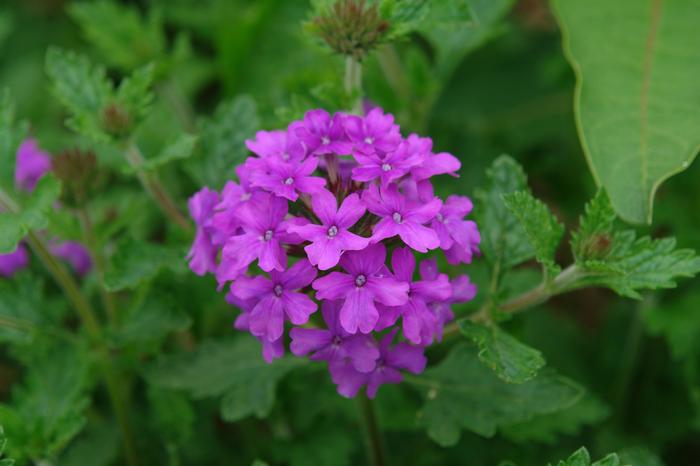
x,y
332,231
386,167
245,196
285,156
268,235
439,217
397,217
360,280
325,140
277,290
289,181
369,140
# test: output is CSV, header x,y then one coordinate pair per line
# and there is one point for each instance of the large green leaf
x,y
136,261
463,393
637,93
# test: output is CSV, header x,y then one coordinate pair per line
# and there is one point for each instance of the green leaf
x,y
223,142
581,458
3,442
634,115
230,367
463,393
503,240
541,227
134,93
136,261
97,445
118,32
595,232
512,361
172,415
80,87
182,148
12,230
679,322
152,321
547,428
11,135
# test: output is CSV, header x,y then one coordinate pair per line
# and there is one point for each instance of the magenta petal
x,y
251,287
426,211
267,318
272,350
385,228
324,252
324,205
388,291
408,357
403,262
351,242
298,275
272,256
363,351
350,211
12,262
348,380
309,184
418,237
388,315
358,311
367,262
387,375
308,340
298,307
335,285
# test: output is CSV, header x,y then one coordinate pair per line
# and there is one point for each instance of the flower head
x,y
32,164
14,261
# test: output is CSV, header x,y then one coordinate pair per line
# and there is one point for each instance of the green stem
x,y
98,258
353,82
375,442
155,188
92,326
171,92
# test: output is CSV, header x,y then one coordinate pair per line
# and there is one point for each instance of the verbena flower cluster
x,y
31,164
328,215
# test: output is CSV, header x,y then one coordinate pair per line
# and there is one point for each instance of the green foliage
x,y
633,116
232,368
11,135
581,458
119,34
503,239
98,110
541,227
3,441
223,141
592,239
136,261
153,320
512,361
182,148
463,393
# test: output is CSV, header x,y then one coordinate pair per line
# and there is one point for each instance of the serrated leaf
x,y
230,367
463,393
512,360
595,231
80,87
3,442
182,148
136,261
222,144
134,92
547,428
503,239
541,227
581,458
12,230
118,32
152,321
635,117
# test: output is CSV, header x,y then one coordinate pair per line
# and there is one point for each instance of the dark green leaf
x,y
152,321
136,261
541,227
503,240
512,361
463,393
11,135
679,322
134,93
581,458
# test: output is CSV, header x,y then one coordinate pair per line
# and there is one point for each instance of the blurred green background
x,y
506,88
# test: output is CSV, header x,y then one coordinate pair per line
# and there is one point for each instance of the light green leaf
x,y
503,240
97,445
595,232
581,458
512,360
82,88
11,135
3,442
136,261
463,393
547,428
635,94
118,32
231,367
12,230
134,93
541,227
182,148
222,144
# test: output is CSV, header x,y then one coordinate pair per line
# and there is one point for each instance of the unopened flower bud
x,y
77,170
116,120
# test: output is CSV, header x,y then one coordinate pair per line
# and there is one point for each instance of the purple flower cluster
x,y
33,163
331,211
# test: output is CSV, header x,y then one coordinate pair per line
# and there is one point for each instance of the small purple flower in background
x,y
367,281
14,261
277,297
32,164
75,254
318,206
330,239
402,218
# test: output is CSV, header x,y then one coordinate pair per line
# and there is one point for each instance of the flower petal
x,y
358,311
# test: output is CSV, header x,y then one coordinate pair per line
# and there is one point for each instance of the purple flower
x,y
286,178
391,362
322,134
386,167
330,239
419,322
202,255
75,254
431,164
374,133
334,342
401,217
14,261
451,228
264,231
271,350
367,281
276,297
283,145
32,164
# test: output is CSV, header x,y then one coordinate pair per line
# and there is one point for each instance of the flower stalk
x,y
375,442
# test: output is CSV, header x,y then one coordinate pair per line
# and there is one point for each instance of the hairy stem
x,y
155,188
98,259
375,442
353,83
